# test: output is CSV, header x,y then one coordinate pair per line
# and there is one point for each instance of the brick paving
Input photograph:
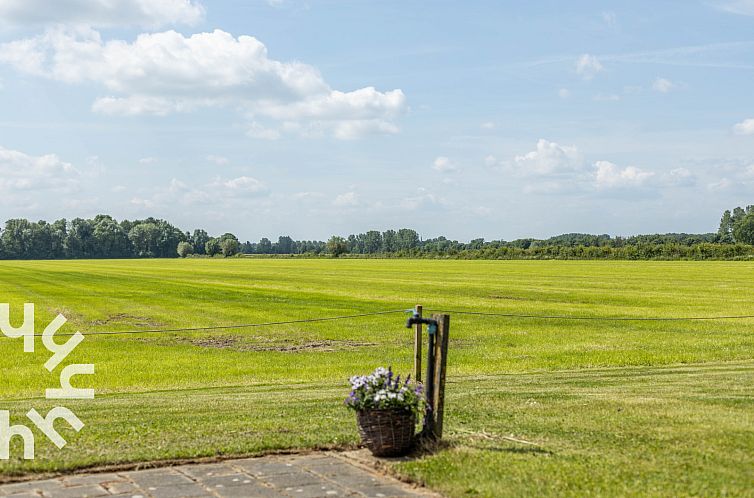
x,y
317,475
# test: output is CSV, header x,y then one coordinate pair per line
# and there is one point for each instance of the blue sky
x,y
467,119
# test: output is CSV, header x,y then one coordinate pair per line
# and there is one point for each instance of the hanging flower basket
x,y
386,411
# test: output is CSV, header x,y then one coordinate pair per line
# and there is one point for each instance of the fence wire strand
x,y
601,318
226,327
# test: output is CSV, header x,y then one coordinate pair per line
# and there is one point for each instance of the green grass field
x,y
657,408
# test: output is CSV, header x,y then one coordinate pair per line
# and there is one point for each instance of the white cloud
x,y
488,125
149,13
347,199
610,19
549,158
243,186
587,66
745,127
490,160
147,160
167,72
680,177
663,85
443,165
564,93
741,7
24,173
608,176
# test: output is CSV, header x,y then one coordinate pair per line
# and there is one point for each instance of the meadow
x,y
548,407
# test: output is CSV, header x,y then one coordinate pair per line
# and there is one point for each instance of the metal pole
x,y
418,345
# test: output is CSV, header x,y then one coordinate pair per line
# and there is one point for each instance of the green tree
x,y
110,241
212,247
264,246
184,249
389,241
337,246
725,232
145,238
743,231
198,240
230,247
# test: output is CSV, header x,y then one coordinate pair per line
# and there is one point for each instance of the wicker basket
x,y
387,432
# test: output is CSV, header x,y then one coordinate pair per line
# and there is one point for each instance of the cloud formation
x,y
549,158
443,165
745,127
167,72
587,66
24,172
610,176
663,85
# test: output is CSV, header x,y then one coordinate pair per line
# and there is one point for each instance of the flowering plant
x,y
380,391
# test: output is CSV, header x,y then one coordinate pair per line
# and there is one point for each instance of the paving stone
x,y
157,477
264,467
90,491
251,490
180,491
301,476
92,479
228,481
206,470
294,478
27,487
125,487
320,490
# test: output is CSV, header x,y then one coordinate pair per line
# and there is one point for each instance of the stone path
x,y
317,475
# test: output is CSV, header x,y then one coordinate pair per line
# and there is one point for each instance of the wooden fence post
x,y
441,360
418,346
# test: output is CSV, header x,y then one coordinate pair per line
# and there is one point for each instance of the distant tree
x,y
725,232
184,249
285,245
407,239
212,247
198,239
15,238
167,240
110,240
389,241
372,242
79,241
264,246
743,231
337,246
145,238
476,244
230,247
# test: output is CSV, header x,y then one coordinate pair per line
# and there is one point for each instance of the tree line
x,y
105,237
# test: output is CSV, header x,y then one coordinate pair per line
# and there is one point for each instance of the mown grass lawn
x,y
610,408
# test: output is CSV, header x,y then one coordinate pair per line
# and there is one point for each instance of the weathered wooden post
x,y
440,355
418,345
438,330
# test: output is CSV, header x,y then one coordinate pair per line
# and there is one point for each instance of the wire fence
x,y
600,318
389,312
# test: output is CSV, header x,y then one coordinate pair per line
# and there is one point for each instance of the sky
x,y
312,118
